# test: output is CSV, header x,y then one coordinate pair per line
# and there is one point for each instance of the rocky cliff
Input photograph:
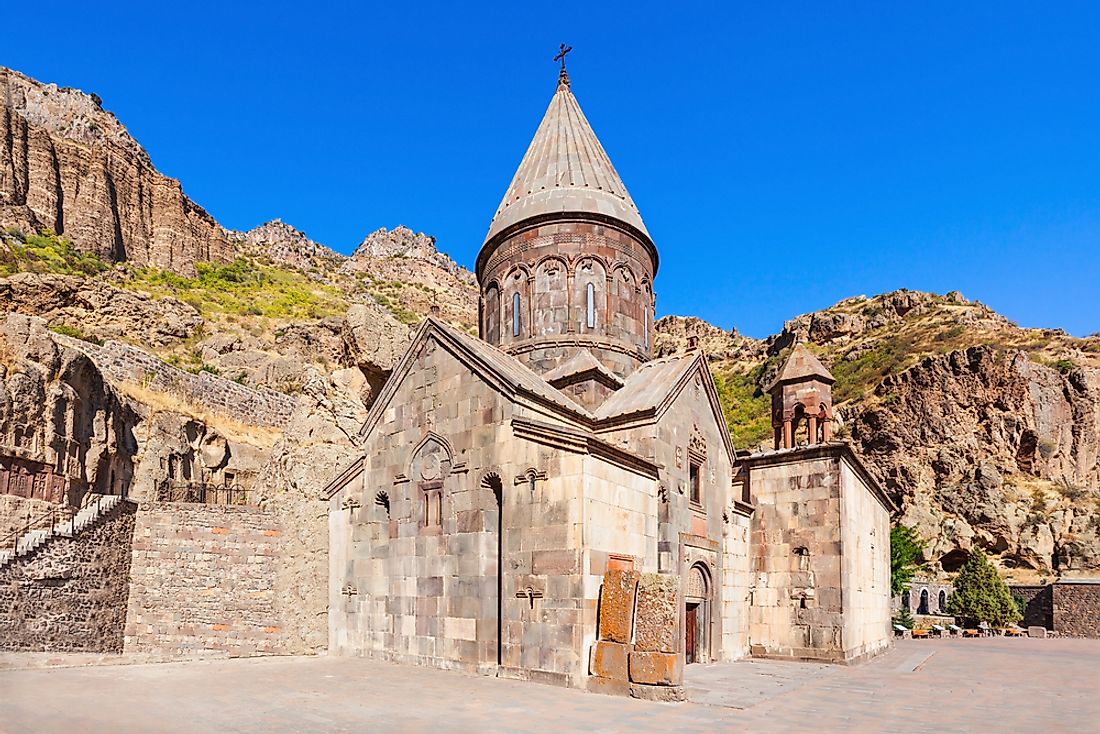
x,y
986,434
68,165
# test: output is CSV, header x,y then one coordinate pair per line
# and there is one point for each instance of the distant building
x,y
924,597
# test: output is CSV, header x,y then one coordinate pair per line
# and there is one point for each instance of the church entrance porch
x,y
697,615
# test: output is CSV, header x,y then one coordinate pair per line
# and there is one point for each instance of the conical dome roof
x,y
565,170
801,365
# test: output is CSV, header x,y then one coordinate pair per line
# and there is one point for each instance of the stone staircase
x,y
96,510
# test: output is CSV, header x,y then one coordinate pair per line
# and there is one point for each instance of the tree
x,y
906,552
981,595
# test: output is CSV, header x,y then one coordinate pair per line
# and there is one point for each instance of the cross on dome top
x,y
563,77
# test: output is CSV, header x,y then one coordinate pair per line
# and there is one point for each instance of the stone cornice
x,y
507,233
583,442
576,340
839,450
350,471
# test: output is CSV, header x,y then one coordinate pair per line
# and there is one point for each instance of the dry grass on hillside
x,y
233,429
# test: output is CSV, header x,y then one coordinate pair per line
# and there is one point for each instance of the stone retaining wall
x,y
253,406
203,581
1077,608
1069,607
69,595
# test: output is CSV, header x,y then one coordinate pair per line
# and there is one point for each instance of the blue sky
x,y
783,156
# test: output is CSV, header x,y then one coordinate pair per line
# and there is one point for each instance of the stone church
x,y
550,501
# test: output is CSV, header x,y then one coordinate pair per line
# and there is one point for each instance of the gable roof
x,y
653,388
583,363
502,370
565,170
801,365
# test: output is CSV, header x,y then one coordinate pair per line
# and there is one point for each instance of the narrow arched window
x,y
515,314
591,290
645,326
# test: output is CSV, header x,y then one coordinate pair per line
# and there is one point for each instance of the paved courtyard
x,y
1003,685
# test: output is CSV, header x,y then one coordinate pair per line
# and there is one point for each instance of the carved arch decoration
x,y
431,459
698,585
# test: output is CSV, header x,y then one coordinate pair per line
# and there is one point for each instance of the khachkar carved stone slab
x,y
656,625
617,605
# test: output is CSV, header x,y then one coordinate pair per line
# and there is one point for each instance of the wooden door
x,y
690,623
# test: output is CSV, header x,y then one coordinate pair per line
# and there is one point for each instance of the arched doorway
x,y
697,614
493,483
923,608
943,601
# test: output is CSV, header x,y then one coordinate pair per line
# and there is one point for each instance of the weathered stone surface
x,y
1039,632
373,341
70,594
666,694
608,686
98,308
65,429
656,623
69,165
204,581
617,605
657,668
321,436
609,659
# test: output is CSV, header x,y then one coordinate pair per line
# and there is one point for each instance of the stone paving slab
x,y
1003,685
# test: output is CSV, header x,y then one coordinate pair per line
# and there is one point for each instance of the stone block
x,y
657,668
667,694
1037,632
554,562
656,619
617,605
609,686
610,660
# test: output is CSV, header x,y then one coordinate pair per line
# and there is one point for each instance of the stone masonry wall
x,y
69,595
1077,609
254,406
203,581
1038,611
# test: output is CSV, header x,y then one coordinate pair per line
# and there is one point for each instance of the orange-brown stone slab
x,y
609,686
617,605
609,660
657,668
656,622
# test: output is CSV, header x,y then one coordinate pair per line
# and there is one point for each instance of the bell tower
x,y
567,266
802,401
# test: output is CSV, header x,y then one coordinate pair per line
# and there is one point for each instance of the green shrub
x,y
1065,366
981,594
75,333
746,408
905,619
45,252
906,552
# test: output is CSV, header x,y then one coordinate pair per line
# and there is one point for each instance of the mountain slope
x,y
986,433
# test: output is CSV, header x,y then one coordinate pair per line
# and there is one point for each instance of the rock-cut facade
x,y
551,501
